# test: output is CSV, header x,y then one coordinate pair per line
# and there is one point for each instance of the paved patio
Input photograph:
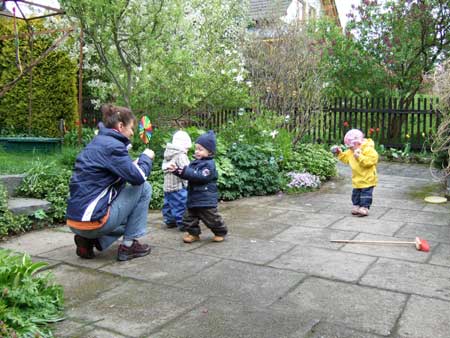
x,y
277,275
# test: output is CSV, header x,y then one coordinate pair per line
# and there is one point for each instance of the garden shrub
x,y
54,93
28,302
10,223
252,173
71,137
51,182
314,159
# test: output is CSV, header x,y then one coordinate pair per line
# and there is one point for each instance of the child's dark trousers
x,y
209,216
362,197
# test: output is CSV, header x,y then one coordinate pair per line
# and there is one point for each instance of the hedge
x,y
54,87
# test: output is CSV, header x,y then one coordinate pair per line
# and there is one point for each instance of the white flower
x,y
249,84
274,133
222,72
239,78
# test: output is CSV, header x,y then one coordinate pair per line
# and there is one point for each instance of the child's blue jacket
x,y
202,183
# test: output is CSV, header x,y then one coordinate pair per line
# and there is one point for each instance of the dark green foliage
x,y
10,223
51,182
248,172
71,137
28,302
54,92
312,158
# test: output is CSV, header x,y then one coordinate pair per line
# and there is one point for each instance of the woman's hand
x,y
150,153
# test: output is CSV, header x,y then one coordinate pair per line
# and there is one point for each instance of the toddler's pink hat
x,y
353,136
182,139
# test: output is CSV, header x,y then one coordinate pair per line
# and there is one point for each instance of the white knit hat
x,y
181,139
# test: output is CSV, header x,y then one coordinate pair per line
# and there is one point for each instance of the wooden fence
x,y
389,121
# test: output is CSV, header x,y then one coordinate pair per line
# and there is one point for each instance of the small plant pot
x,y
30,144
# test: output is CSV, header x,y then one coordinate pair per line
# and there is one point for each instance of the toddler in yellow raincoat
x,y
362,158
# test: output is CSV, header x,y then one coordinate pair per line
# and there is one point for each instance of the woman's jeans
x,y
174,207
127,216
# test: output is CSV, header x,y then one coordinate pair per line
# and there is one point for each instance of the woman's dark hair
x,y
112,115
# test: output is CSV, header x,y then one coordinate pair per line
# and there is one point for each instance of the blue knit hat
x,y
208,141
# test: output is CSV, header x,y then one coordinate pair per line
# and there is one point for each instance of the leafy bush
x,y
54,95
28,302
312,158
71,137
50,182
10,223
248,172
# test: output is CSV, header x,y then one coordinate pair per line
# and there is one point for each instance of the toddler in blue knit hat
x,y
201,175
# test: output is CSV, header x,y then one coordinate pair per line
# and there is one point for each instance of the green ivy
x,y
28,302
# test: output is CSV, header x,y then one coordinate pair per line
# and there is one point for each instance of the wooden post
x,y
80,89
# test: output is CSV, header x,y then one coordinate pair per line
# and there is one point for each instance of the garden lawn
x,y
19,163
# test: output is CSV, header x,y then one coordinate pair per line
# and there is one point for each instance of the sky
x,y
343,6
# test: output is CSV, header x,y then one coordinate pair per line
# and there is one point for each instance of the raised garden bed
x,y
30,144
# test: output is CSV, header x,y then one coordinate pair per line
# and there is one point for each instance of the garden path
x,y
277,275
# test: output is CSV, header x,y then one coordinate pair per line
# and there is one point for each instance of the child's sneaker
x,y
188,238
363,212
137,249
355,210
218,239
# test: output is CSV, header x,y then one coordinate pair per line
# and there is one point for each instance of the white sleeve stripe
x,y
140,170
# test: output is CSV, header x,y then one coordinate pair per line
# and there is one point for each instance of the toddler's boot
x,y
363,211
355,210
188,238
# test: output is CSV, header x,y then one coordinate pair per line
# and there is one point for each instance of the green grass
x,y
19,163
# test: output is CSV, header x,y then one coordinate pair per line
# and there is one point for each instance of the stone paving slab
x,y
307,219
314,236
251,284
405,252
340,209
162,265
224,319
444,208
171,238
352,306
254,229
425,318
71,329
324,262
38,242
136,308
67,254
240,214
429,232
246,250
299,205
414,278
441,255
367,225
82,285
415,216
328,330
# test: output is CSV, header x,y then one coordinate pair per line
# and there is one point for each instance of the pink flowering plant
x,y
302,181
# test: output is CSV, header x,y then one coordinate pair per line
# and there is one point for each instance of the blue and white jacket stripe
x,y
100,173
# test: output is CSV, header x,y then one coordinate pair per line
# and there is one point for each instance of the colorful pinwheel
x,y
145,129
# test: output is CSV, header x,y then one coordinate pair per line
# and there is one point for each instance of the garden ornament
x,y
145,129
420,243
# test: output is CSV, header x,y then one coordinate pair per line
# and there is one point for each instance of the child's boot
x,y
355,210
218,239
363,211
188,238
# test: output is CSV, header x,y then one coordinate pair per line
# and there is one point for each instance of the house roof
x,y
265,9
